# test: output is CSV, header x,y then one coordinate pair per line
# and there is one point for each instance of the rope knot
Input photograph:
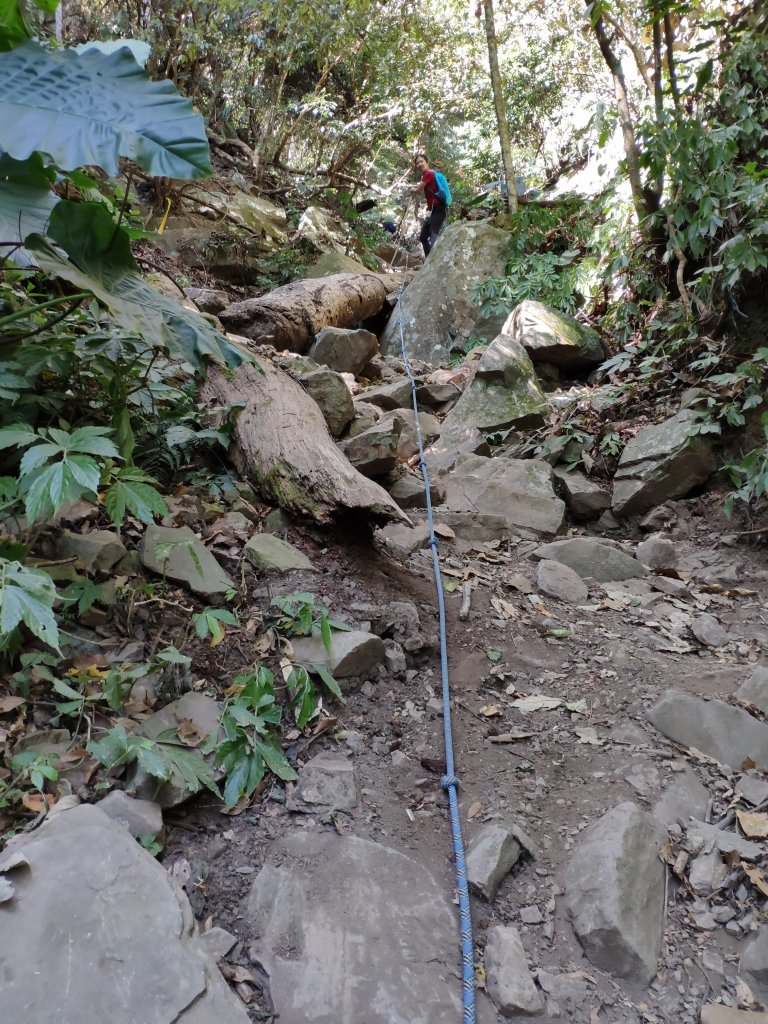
x,y
433,542
449,781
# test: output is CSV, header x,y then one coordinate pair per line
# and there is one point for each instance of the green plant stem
x,y
21,313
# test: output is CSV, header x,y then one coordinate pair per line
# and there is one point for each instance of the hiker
x,y
438,199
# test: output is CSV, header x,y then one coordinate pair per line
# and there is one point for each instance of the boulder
x,y
755,689
408,444
408,491
140,817
208,300
326,783
491,855
657,552
753,966
585,499
396,395
437,311
320,228
708,631
614,891
593,559
349,930
503,393
374,452
400,540
366,415
509,980
100,932
332,395
343,349
179,555
270,553
559,581
662,461
684,797
98,550
717,729
353,652
717,1013
517,492
550,336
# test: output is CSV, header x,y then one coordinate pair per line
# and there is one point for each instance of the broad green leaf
x,y
18,435
140,499
85,471
152,762
236,781
272,753
92,108
27,595
93,441
26,199
329,681
100,261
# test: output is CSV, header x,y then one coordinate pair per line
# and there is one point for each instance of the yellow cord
x,y
164,221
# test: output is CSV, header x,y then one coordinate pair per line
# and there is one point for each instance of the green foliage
x,y
26,596
132,490
210,622
251,746
749,475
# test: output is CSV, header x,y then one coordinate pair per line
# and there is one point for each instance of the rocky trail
x,y
608,656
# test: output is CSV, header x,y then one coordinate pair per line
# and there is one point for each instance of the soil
x,y
614,658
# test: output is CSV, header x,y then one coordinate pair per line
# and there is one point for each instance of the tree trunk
x,y
281,441
501,107
290,317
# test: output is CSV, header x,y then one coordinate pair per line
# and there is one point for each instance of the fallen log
x,y
281,442
289,317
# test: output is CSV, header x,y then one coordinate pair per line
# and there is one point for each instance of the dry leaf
x,y
587,734
756,877
475,808
233,972
536,702
747,764
510,737
10,703
188,734
505,608
753,824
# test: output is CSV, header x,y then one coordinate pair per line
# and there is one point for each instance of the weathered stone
x,y
396,395
353,653
585,499
660,462
98,550
753,966
366,415
716,1013
408,444
708,631
560,581
230,528
101,933
553,337
394,658
754,790
724,841
335,263
491,855
374,452
318,908
344,350
400,540
707,873
436,395
516,491
509,980
755,689
436,308
593,559
503,393
332,395
272,554
326,783
194,711
179,555
615,892
140,817
408,491
657,552
669,585
717,729
217,942
683,798
208,300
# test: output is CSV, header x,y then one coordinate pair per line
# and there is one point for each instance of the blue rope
x,y
450,781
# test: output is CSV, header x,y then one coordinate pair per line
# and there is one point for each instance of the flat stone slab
x,y
98,550
510,983
684,797
270,553
178,554
561,582
350,931
140,817
326,783
585,499
590,558
755,689
716,1013
491,855
97,931
614,891
717,729
353,653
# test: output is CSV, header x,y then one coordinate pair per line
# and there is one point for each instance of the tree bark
x,y
501,107
290,317
282,443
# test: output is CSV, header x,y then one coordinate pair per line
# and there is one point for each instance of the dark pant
x,y
430,229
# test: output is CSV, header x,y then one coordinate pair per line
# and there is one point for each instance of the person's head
x,y
421,163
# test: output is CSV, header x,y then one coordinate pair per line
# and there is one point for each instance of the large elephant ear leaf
x,y
92,108
26,200
97,257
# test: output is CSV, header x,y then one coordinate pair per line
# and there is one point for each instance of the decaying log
x,y
281,442
290,317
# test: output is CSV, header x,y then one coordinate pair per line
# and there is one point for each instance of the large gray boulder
x,y
349,930
503,393
660,462
408,444
553,337
343,349
614,890
97,931
585,498
517,492
373,452
332,395
436,308
719,730
592,559
179,555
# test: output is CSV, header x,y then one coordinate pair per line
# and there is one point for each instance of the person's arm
x,y
418,188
